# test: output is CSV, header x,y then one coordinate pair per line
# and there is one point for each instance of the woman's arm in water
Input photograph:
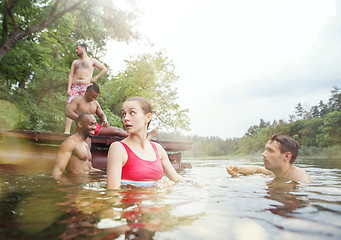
x,y
167,166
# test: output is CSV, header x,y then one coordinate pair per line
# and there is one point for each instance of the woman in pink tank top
x,y
136,160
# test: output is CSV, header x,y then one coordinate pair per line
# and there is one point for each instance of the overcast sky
x,y
242,60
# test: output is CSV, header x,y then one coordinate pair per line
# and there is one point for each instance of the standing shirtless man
x,y
74,153
80,77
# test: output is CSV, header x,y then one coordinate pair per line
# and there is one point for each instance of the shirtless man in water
x,y
74,153
80,77
279,155
87,103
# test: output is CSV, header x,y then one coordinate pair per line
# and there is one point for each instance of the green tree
x,y
261,138
334,102
299,111
315,112
49,31
253,130
37,42
310,130
24,20
150,76
323,108
295,129
331,130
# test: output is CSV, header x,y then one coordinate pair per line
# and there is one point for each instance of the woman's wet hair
x,y
287,144
144,103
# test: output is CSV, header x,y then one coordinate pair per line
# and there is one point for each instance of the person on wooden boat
x,y
279,155
136,160
80,77
88,103
74,152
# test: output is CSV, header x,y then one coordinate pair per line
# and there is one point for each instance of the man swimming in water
x,y
74,153
279,155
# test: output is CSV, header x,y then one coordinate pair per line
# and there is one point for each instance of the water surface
x,y
34,206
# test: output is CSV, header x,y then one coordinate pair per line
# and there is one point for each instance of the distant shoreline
x,y
253,157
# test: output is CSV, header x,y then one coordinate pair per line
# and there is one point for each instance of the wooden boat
x,y
37,150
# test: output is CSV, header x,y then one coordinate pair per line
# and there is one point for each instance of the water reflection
x,y
35,206
322,163
28,206
288,197
80,207
113,213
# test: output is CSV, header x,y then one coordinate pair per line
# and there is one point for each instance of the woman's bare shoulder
x,y
117,145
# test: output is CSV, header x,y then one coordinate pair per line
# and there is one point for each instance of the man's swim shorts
x,y
77,90
98,129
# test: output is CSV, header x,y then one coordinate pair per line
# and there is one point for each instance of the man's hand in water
x,y
233,170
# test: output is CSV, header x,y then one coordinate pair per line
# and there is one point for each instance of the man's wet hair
x,y
82,116
83,45
287,144
94,86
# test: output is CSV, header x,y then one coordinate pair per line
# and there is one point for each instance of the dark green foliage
x,y
330,130
34,68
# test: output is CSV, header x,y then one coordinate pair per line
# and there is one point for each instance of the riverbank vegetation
x,y
37,43
37,46
318,130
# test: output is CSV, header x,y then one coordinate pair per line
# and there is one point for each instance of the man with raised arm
x,y
279,155
74,153
80,77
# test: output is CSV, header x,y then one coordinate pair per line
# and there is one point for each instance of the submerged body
x,y
279,155
74,153
136,116
225,208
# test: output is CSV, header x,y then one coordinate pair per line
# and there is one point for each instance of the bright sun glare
x,y
222,46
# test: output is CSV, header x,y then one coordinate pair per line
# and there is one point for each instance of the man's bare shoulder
x,y
96,103
77,99
70,142
97,63
76,61
300,175
94,60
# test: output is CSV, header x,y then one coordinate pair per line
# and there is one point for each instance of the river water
x,y
213,206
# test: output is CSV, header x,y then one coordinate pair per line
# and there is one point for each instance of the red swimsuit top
x,y
137,169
